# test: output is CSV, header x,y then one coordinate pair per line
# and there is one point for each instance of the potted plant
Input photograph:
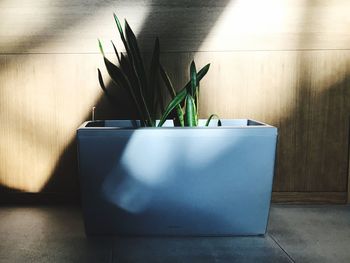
x,y
170,173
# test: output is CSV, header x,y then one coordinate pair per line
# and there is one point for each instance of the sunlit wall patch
x,y
51,85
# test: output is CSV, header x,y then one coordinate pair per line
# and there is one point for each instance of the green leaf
x,y
193,76
196,99
200,75
181,95
191,119
155,93
116,52
134,85
131,71
212,116
167,82
137,63
101,48
126,67
169,85
120,29
135,55
120,80
116,74
176,101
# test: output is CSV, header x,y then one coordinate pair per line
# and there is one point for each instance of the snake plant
x,y
145,90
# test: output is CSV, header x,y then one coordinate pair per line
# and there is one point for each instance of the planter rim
x,y
241,124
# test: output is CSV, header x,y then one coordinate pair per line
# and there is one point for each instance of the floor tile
x,y
312,233
201,249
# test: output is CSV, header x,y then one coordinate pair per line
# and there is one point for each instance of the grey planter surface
x,y
176,181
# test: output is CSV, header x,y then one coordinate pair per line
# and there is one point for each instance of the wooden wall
x,y
284,62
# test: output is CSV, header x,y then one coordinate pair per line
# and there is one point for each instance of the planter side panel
x,y
177,181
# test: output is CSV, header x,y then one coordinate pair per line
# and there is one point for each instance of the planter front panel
x,y
177,181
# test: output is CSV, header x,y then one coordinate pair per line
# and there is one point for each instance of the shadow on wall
x,y
310,125
313,148
173,33
312,153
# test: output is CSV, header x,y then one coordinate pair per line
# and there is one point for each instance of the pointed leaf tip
x,y
193,76
101,48
119,26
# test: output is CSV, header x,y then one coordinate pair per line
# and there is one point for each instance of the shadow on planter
x,y
177,181
64,178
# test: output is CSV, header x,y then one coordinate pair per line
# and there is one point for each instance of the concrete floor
x,y
56,234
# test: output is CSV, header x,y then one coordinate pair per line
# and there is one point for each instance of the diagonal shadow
x,y
316,130
167,27
310,138
177,36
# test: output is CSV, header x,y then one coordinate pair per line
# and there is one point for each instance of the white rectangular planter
x,y
176,181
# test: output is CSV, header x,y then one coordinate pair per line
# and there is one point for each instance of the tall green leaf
x,y
135,55
194,85
121,33
137,63
169,85
129,45
193,76
130,74
167,82
200,75
119,78
191,112
155,93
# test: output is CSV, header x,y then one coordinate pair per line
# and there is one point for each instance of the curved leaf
x,y
176,101
212,116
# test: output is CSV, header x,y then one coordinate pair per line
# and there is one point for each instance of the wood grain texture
x,y
283,62
309,197
305,94
61,26
40,111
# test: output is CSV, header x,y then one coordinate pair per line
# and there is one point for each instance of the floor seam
x,y
285,252
112,253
